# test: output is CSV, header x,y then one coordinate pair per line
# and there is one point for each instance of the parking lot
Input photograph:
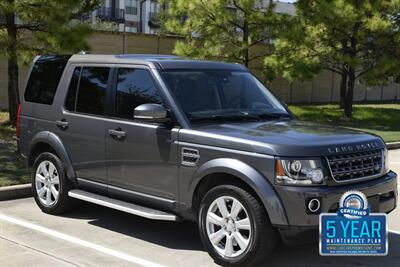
x,y
97,236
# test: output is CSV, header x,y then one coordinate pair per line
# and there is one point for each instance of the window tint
x,y
73,86
209,93
92,90
195,91
135,87
45,76
233,93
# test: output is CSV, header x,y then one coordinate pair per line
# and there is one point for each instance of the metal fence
x,y
111,14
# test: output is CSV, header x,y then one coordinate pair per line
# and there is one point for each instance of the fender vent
x,y
190,157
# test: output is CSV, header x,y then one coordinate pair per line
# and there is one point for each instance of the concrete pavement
x,y
394,217
96,236
394,158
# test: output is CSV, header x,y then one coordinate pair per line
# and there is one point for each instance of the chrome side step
x,y
123,206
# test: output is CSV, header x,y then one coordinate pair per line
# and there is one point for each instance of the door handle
x,y
63,124
118,134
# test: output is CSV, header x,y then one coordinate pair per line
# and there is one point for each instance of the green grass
x,y
7,133
12,170
380,119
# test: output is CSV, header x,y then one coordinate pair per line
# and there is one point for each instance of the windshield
x,y
221,94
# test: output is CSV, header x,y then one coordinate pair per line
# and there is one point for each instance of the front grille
x,y
359,165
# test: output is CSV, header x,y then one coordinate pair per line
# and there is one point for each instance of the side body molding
x,y
250,176
55,142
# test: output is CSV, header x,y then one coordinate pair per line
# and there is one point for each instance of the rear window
x,y
43,81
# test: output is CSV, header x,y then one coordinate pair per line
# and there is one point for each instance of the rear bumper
x,y
382,194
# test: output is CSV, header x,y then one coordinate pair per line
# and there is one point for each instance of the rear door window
x,y
44,79
92,89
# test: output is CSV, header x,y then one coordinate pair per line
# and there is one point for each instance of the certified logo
x,y
353,205
353,230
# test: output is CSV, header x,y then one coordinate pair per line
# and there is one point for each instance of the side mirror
x,y
151,113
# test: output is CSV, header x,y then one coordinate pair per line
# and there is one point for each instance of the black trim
x,y
139,194
92,186
77,88
142,199
111,91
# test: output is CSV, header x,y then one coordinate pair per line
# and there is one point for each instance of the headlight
x,y
386,161
299,172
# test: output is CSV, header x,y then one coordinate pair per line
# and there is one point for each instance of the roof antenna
x,y
83,52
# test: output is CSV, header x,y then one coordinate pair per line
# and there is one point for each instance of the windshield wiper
x,y
240,116
271,115
219,117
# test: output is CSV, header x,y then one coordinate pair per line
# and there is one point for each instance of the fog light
x,y
314,205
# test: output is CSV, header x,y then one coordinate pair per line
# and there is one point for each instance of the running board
x,y
122,206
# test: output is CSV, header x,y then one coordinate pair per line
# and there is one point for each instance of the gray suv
x,y
174,139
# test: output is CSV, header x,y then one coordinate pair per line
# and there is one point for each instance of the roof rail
x,y
147,56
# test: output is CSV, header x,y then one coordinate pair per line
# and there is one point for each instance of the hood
x,y
282,138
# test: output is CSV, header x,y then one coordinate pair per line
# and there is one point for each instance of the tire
x,y
252,240
43,185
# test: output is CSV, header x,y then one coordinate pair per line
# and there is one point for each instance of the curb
x,y
393,145
15,191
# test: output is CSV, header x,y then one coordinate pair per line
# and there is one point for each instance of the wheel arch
x,y
50,142
232,171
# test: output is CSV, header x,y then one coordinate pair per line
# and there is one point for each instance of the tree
x,y
32,27
223,30
356,39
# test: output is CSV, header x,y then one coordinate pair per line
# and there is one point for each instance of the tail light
x,y
17,131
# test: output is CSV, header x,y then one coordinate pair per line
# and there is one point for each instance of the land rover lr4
x,y
170,139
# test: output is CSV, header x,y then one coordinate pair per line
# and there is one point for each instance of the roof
x,y
155,61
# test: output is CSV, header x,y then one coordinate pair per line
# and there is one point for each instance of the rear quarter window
x,y
43,81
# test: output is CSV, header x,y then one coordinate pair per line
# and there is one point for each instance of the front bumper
x,y
381,192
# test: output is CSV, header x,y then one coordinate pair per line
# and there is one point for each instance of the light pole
x,y
124,33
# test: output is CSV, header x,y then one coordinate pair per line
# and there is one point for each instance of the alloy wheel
x,y
228,226
47,183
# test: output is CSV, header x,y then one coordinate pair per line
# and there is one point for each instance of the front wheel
x,y
234,227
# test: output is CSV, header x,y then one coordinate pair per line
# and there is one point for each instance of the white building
x,y
133,15
140,15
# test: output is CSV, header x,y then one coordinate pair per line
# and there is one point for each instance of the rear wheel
x,y
50,186
234,227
